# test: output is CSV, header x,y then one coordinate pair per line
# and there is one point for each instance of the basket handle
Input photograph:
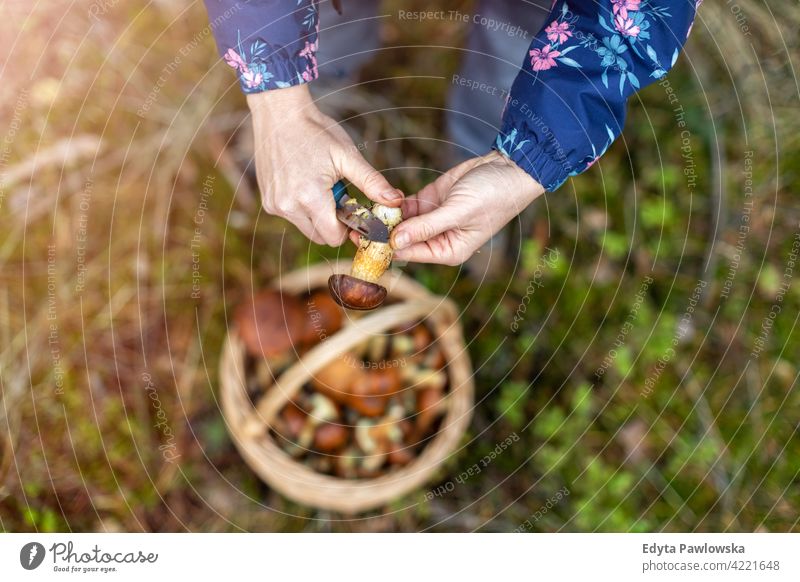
x,y
289,383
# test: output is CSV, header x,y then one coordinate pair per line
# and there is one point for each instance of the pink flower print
x,y
251,79
558,32
621,7
310,52
234,60
626,27
543,59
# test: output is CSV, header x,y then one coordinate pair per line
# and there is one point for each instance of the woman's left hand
x,y
452,217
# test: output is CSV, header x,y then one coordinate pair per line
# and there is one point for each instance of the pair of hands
x,y
301,153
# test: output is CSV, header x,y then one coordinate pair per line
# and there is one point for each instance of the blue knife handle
x,y
339,190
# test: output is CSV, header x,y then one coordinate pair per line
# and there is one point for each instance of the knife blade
x,y
357,216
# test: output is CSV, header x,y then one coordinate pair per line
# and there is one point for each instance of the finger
x,y
418,253
424,227
434,193
305,226
427,200
444,183
370,181
444,249
326,226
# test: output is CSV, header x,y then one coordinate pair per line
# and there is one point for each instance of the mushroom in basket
x,y
277,327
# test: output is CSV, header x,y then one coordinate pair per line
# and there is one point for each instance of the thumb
x,y
423,227
370,181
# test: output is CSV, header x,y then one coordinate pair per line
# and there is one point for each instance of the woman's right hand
x,y
300,154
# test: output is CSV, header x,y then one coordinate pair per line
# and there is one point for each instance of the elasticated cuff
x,y
522,148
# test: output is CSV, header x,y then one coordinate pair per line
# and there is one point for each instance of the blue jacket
x,y
566,106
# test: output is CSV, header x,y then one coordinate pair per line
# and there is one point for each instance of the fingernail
x,y
393,195
401,240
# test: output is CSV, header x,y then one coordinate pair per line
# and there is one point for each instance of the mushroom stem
x,y
371,260
360,290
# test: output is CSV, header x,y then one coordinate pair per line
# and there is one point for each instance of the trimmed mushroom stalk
x,y
360,289
420,378
323,411
379,438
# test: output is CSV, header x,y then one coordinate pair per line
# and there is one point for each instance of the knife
x,y
357,216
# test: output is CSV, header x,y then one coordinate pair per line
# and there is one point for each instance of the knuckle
x,y
424,231
285,206
269,205
373,179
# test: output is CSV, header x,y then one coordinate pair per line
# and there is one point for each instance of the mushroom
x,y
330,437
365,390
360,289
376,349
429,407
324,316
377,438
400,454
402,345
323,411
347,463
419,377
381,382
274,326
288,425
271,325
335,379
372,389
292,420
415,340
434,358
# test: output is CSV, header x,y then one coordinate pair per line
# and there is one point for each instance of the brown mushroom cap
x,y
366,391
372,389
383,382
324,316
330,437
355,293
400,454
271,324
294,419
371,406
429,407
335,380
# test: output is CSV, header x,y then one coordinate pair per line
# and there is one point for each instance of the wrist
x,y
281,102
529,182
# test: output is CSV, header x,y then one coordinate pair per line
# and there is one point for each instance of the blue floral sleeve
x,y
270,44
567,105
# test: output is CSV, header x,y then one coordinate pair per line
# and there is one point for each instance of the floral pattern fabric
x,y
271,44
567,105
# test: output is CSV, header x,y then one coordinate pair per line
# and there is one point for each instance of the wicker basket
x,y
248,424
